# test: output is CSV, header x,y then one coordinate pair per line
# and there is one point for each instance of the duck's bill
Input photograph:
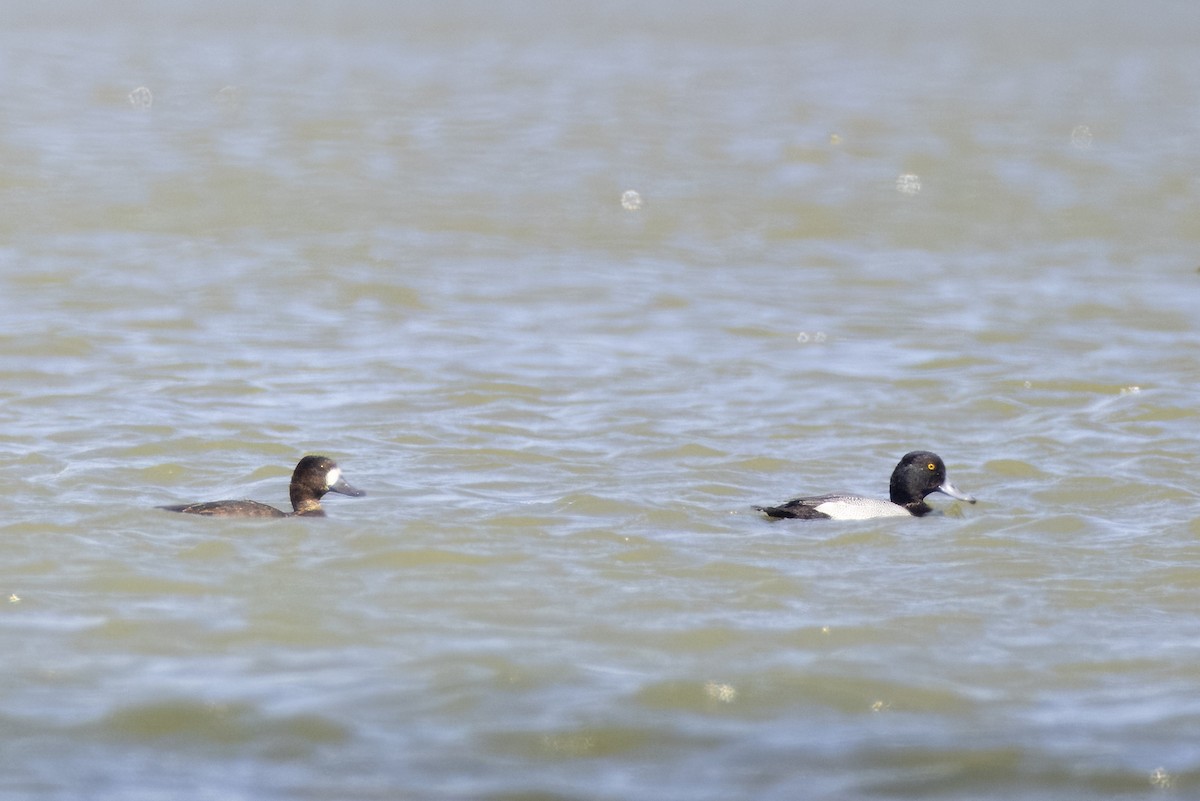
x,y
341,486
955,492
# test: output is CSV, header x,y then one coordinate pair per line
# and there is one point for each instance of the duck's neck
x,y
308,507
918,508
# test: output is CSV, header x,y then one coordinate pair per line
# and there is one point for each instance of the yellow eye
x,y
931,466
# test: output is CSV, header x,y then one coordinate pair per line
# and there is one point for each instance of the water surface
x,y
396,235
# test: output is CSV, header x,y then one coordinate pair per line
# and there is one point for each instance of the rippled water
x,y
402,236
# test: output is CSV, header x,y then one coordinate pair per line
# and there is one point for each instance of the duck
x,y
313,477
918,474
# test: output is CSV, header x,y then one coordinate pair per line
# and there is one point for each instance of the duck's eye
x,y
931,466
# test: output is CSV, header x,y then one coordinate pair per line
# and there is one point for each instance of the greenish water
x,y
401,236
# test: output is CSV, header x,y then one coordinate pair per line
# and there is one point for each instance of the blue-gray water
x,y
395,234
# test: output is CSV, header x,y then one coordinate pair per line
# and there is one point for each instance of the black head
x,y
919,474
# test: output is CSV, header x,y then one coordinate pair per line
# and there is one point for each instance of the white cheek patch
x,y
332,477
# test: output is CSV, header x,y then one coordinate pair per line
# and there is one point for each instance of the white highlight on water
x,y
908,183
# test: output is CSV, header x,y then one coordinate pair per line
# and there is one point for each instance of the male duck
x,y
918,474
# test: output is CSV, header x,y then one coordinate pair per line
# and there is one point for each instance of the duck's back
x,y
228,509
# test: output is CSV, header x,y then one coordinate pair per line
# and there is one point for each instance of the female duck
x,y
918,474
313,477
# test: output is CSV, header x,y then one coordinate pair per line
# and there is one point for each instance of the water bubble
x,y
141,98
1081,137
908,183
1161,779
835,139
631,200
229,96
817,337
725,693
14,599
575,745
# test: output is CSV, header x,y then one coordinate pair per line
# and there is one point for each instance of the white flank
x,y
860,509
